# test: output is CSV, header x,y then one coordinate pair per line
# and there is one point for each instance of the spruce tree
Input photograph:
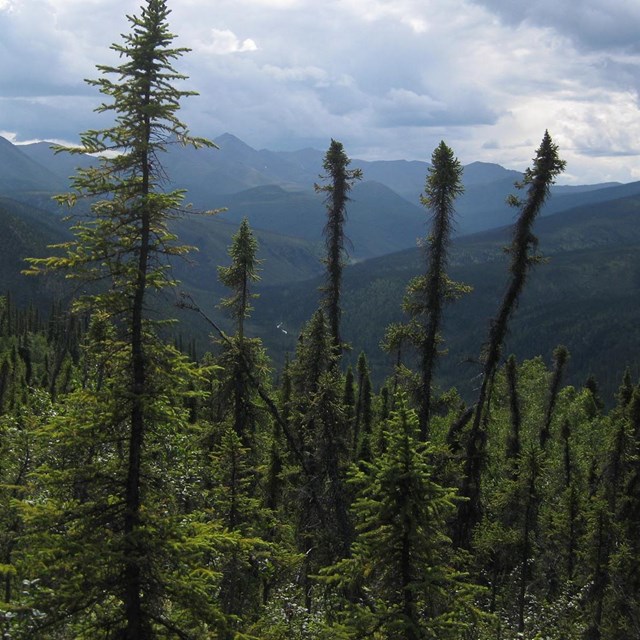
x,y
560,357
341,178
514,444
363,416
537,180
397,337
240,275
123,537
318,419
240,355
401,561
443,185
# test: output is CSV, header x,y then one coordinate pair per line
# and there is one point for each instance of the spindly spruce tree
x,y
341,178
537,181
364,412
239,276
240,430
560,357
120,561
442,187
239,353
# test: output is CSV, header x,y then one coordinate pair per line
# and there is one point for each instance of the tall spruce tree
x,y
443,185
121,534
241,354
341,178
537,180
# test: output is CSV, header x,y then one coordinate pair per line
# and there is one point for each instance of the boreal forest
x,y
389,463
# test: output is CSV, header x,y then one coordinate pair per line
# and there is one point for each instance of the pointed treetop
x,y
336,163
444,178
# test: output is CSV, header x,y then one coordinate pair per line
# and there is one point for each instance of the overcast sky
x,y
388,78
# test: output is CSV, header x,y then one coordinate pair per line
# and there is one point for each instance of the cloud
x,y
591,24
401,108
389,78
315,75
224,42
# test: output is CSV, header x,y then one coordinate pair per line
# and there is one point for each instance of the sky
x,y
387,78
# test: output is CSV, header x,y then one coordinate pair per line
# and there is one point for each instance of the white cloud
x,y
224,42
316,75
275,4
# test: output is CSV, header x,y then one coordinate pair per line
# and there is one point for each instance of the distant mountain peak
x,y
484,172
18,172
229,141
480,163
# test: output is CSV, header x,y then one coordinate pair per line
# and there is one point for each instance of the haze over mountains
x,y
586,296
275,190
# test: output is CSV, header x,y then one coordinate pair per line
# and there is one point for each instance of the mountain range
x,y
585,296
275,190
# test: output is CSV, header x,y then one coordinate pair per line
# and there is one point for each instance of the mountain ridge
x,y
225,178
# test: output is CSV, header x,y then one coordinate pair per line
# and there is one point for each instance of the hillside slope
x,y
586,296
26,232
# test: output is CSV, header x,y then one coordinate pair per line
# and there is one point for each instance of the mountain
x,y
563,200
585,296
284,259
19,173
483,205
63,165
26,232
275,190
613,223
378,220
479,173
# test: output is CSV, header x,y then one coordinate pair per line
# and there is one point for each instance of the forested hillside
x,y
285,477
583,295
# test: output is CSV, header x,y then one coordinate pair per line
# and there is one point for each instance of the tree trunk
x,y
134,552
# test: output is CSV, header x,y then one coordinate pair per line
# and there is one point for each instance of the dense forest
x,y
149,491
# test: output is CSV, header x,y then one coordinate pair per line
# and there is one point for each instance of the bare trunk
x,y
134,553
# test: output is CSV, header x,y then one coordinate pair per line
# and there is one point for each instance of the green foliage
x,y
320,425
114,544
240,274
402,567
